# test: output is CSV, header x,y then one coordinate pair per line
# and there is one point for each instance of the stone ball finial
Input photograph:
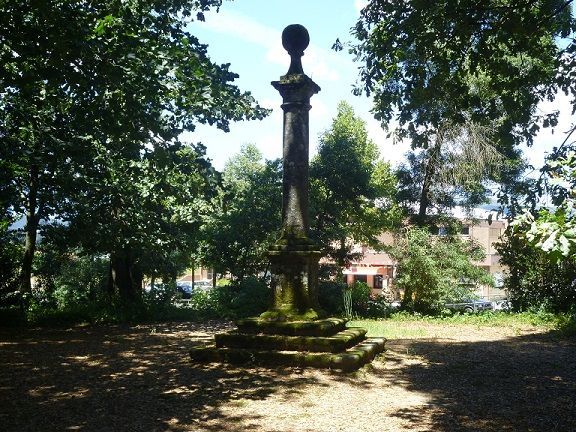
x,y
295,40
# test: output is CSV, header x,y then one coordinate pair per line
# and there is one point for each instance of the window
x,y
378,281
360,278
465,230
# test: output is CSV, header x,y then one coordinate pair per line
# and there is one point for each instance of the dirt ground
x,y
140,379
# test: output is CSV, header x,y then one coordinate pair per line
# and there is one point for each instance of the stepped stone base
x,y
321,344
323,327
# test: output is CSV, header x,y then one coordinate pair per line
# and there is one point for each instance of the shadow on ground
x,y
120,379
524,383
140,379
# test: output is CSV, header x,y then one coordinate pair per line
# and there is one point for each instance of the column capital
x,y
298,88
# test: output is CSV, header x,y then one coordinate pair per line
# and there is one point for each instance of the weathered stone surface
x,y
339,342
322,327
293,332
294,258
347,361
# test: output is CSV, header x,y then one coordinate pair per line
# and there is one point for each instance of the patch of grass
x,y
389,329
489,318
404,325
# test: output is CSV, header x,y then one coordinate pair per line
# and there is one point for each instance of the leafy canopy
x,y
243,219
426,63
93,99
352,190
433,270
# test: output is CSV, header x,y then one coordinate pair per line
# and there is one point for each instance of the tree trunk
x,y
429,172
341,260
125,278
192,275
32,220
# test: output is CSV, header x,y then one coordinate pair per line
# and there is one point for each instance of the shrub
x,y
378,307
356,298
330,297
245,298
430,267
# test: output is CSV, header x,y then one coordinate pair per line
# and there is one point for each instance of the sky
x,y
247,34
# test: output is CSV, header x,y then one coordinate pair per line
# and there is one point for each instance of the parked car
x,y
470,306
184,289
501,305
202,285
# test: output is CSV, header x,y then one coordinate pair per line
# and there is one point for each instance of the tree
x,y
453,172
540,244
493,61
245,217
554,230
352,197
536,278
435,67
88,89
433,270
146,213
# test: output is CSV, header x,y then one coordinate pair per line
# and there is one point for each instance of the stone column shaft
x,y
294,257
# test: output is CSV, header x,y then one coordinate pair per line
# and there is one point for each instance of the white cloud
x,y
240,26
391,152
549,138
315,60
360,4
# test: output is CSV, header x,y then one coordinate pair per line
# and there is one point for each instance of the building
x,y
378,269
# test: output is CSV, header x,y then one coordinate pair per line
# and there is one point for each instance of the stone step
x,y
334,344
346,361
321,327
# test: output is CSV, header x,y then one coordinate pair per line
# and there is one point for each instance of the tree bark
x,y
341,260
32,220
429,172
125,278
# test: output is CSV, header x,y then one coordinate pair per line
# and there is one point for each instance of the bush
x,y
161,294
430,266
69,280
249,297
378,307
10,259
330,297
356,299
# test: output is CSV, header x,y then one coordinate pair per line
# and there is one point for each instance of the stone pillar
x,y
294,257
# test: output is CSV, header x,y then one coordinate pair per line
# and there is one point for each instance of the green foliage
x,y
352,191
249,297
554,230
454,171
10,253
94,98
378,307
431,269
330,296
244,217
460,65
535,279
69,280
428,63
356,299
